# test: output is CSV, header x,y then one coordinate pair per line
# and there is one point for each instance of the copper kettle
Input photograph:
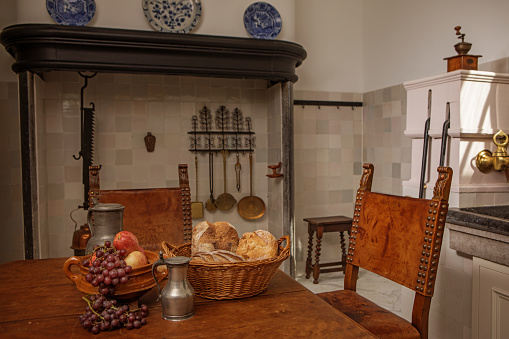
x,y
80,239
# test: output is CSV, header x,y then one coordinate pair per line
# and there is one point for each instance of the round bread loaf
x,y
218,256
208,236
198,231
257,245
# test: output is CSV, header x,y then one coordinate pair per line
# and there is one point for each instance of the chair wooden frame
x,y
405,251
154,214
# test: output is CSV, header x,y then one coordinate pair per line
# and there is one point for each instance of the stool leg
x,y
316,267
310,248
343,251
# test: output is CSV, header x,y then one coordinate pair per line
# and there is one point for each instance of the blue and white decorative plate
x,y
262,21
172,16
71,12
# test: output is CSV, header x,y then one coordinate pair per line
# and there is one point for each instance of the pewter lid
x,y
176,261
107,207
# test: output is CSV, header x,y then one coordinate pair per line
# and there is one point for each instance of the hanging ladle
x,y
225,201
196,206
210,204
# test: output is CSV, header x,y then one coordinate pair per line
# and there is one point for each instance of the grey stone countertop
x,y
481,232
494,219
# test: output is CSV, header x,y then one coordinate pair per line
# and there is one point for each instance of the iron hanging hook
x,y
86,77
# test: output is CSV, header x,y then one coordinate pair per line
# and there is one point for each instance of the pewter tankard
x,y
177,297
108,221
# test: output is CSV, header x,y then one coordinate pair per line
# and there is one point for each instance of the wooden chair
x,y
398,238
154,214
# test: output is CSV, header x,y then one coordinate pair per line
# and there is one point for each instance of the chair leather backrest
x,y
400,237
155,214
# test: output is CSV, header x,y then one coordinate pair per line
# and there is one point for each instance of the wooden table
x,y
38,300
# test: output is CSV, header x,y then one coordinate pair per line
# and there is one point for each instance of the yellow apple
x,y
136,259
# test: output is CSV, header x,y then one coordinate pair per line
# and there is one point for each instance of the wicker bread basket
x,y
218,280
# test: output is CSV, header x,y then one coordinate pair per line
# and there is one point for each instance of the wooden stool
x,y
322,225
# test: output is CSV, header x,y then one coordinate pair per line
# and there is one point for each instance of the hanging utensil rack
x,y
232,135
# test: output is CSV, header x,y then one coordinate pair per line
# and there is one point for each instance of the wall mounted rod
x,y
327,103
445,128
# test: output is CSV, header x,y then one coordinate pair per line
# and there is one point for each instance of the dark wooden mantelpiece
x,y
42,47
39,48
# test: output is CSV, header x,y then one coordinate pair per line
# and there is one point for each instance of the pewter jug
x,y
108,221
177,297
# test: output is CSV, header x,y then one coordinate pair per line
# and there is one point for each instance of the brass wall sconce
x,y
499,160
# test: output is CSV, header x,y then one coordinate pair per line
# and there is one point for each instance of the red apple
x,y
126,240
136,259
140,249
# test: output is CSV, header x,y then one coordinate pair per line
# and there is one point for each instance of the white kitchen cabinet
x,y
490,300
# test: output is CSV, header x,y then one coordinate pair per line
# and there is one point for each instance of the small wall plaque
x,y
150,142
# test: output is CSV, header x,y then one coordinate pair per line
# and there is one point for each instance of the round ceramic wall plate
x,y
71,12
262,21
172,16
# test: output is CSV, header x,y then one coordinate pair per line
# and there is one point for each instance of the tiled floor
x,y
383,292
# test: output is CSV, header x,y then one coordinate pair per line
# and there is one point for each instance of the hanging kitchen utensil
x,y
87,139
225,201
210,204
196,206
238,168
238,122
206,122
251,207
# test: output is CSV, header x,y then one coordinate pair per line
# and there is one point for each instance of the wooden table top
x,y
38,300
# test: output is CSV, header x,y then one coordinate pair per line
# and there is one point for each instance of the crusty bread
x,y
208,236
257,245
218,256
198,231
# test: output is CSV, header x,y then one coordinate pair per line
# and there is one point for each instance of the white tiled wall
x,y
328,148
330,144
384,144
127,107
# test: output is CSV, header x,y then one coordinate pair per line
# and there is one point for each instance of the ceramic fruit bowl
x,y
140,279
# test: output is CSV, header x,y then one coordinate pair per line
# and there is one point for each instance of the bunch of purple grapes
x,y
103,314
107,268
